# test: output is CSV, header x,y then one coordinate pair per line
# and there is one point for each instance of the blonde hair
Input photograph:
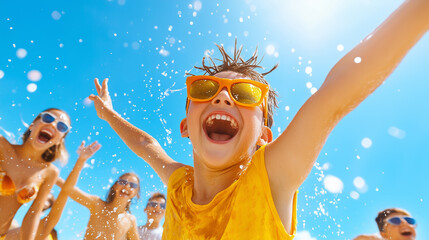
x,y
58,151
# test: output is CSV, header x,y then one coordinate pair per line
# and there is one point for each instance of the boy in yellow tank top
x,y
243,185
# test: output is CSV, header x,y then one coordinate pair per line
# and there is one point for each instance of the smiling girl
x,y
27,172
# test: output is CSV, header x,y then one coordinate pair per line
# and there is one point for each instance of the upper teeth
x,y
222,117
47,132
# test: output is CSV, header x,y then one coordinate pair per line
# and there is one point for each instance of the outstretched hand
x,y
88,151
102,102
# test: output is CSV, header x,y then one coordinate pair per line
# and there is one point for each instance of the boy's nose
x,y
223,98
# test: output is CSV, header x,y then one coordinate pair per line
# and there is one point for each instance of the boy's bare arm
x,y
290,157
48,223
140,142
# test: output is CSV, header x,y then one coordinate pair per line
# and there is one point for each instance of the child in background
x,y
111,219
393,224
27,172
155,210
243,185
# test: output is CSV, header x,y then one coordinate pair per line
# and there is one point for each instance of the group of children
x,y
26,174
243,183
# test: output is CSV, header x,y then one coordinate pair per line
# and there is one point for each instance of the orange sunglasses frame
x,y
226,82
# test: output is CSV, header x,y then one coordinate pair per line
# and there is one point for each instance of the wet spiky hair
x,y
245,67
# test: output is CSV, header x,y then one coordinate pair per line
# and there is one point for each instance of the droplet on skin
x,y
358,59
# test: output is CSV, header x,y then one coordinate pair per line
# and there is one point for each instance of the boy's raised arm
x,y
290,157
140,142
48,223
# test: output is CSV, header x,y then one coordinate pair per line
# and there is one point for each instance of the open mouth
x,y
220,127
406,233
44,136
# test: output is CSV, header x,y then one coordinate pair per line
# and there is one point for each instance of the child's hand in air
x,y
88,151
103,101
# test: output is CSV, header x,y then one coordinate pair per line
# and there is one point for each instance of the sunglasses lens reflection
x,y
246,93
62,127
409,220
203,89
395,221
48,118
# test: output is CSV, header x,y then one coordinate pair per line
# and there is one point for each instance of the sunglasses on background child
x,y
155,204
397,220
125,183
243,92
47,117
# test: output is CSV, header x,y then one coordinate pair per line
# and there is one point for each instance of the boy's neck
x,y
209,182
152,225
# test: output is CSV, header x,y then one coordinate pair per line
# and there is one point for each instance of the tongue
x,y
43,138
219,136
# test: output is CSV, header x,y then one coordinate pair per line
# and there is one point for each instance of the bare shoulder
x,y
4,144
131,217
52,171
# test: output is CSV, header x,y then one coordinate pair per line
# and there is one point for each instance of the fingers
x,y
96,99
96,148
97,86
104,88
82,144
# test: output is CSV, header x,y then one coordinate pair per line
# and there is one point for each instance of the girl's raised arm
x,y
48,223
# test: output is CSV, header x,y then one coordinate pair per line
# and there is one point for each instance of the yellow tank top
x,y
244,210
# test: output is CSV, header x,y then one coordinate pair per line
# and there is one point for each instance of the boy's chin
x,y
222,159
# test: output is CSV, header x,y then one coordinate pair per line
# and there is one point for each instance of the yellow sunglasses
x,y
243,92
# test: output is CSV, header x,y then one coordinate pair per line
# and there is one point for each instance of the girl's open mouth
x,y
44,136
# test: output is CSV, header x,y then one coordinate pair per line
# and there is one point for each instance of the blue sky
x,y
377,157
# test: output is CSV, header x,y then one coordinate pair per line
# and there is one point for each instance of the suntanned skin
x,y
154,213
25,166
393,232
109,220
48,223
289,159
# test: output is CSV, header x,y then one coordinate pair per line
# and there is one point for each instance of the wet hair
x,y
157,195
383,215
111,194
245,67
54,152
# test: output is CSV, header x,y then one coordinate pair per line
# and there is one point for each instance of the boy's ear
x,y
266,136
184,128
